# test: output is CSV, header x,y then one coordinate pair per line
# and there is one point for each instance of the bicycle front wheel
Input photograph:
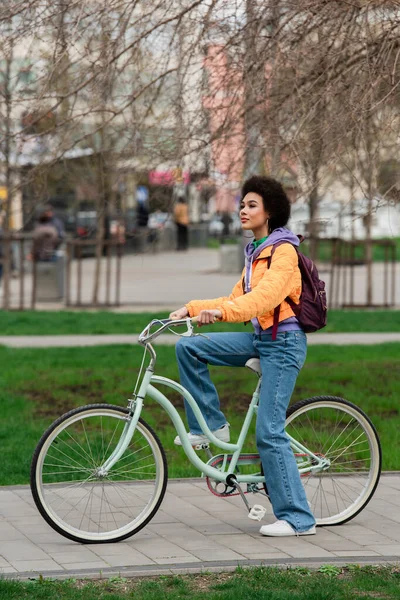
x,y
339,432
71,493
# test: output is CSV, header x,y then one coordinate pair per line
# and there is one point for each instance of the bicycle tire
x,y
342,491
77,502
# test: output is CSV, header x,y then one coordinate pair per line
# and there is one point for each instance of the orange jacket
x,y
269,288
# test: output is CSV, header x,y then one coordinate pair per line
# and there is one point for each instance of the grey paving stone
x,y
22,551
7,496
34,528
181,508
299,548
196,528
392,481
65,558
386,550
163,551
184,489
35,519
368,540
245,544
23,566
356,553
64,546
350,529
49,538
110,549
267,557
387,529
16,508
163,517
211,525
127,554
82,566
185,559
343,544
4,562
220,553
167,529
122,560
9,533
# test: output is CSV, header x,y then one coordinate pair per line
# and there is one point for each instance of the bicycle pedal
x,y
257,512
204,446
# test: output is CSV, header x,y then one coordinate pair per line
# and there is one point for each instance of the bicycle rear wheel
x,y
74,498
340,432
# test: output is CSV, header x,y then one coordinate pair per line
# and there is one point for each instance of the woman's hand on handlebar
x,y
180,313
207,317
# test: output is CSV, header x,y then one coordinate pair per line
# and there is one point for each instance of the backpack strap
x,y
277,309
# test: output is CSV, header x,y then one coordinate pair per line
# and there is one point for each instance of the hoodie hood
x,y
281,234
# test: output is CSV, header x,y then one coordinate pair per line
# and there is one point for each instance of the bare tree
x,y
285,85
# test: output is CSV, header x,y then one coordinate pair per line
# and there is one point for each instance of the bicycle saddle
x,y
254,365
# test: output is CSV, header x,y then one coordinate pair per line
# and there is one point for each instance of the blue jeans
x,y
281,361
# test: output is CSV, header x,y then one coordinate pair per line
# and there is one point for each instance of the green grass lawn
x,y
260,583
378,252
325,249
36,386
102,322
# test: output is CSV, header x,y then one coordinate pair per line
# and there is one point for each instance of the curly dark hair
x,y
274,197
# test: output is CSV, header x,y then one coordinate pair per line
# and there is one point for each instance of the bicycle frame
x,y
147,389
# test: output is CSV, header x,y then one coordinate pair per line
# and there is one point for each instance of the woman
x,y
265,210
181,215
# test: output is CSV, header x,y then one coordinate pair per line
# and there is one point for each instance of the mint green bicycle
x,y
99,473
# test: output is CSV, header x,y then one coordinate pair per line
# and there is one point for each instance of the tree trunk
x,y
254,87
101,206
370,196
368,251
7,254
313,201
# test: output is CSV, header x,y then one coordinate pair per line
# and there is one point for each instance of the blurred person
x,y
181,216
281,346
226,221
45,239
142,220
142,215
55,222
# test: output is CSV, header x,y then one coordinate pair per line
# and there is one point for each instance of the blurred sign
x,y
169,177
3,192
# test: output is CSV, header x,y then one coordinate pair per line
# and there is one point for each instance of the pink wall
x,y
225,106
224,103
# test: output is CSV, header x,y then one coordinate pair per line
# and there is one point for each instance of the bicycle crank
x,y
222,489
256,512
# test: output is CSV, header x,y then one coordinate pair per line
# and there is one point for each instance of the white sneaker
x,y
197,439
284,529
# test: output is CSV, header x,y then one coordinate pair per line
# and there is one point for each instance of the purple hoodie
x,y
278,235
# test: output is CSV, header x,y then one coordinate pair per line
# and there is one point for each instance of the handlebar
x,y
145,337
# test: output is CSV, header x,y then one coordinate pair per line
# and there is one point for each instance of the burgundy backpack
x,y
311,312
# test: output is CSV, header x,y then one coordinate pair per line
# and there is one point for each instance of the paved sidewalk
x,y
193,531
165,281
58,341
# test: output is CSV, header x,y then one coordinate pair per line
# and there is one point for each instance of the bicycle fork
x,y
135,405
